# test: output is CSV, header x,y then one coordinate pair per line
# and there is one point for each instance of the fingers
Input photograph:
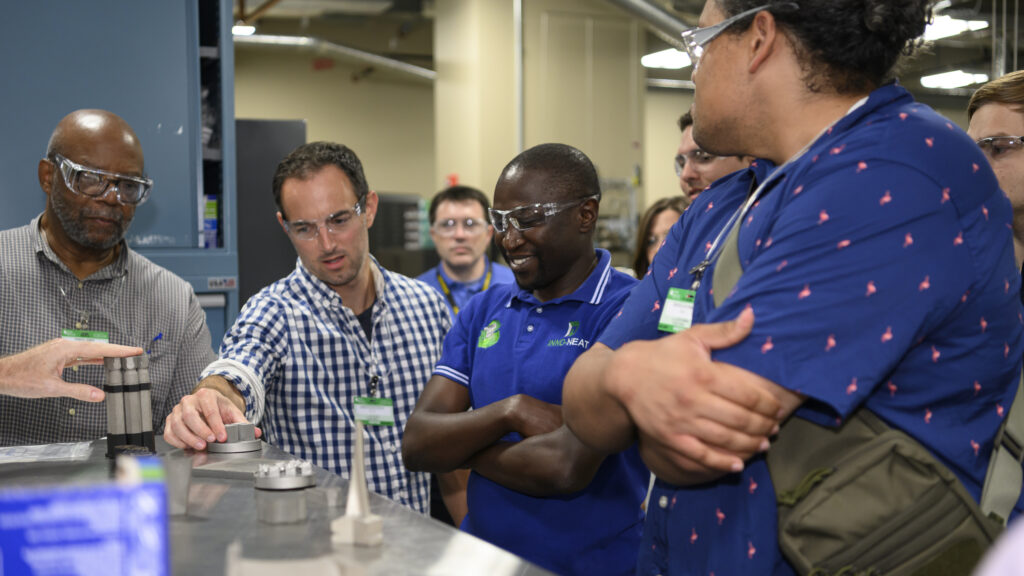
x,y
190,425
749,390
676,468
723,438
83,392
724,334
97,350
535,416
210,408
174,428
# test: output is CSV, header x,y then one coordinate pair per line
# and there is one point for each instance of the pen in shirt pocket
x,y
149,348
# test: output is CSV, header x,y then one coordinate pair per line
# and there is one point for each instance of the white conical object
x,y
358,526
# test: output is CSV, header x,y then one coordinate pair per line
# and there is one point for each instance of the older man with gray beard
x,y
69,274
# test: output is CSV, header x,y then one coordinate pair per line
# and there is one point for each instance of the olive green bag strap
x,y
1004,478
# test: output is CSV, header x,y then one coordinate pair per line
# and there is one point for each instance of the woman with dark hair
x,y
654,227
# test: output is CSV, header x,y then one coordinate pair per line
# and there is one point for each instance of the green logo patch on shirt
x,y
489,335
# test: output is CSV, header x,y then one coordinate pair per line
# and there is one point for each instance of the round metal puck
x,y
234,447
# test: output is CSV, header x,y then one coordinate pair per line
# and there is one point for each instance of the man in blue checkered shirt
x,y
337,328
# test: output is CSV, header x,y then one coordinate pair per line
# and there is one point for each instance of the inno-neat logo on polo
x,y
570,339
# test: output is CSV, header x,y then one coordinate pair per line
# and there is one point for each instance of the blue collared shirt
x,y
880,270
506,342
461,292
299,357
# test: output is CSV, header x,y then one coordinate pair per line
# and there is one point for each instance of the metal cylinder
x,y
281,506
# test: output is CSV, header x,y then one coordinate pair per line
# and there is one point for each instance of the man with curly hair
x,y
873,267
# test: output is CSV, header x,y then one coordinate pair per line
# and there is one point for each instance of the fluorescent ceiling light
x,y
671,59
945,26
242,29
954,79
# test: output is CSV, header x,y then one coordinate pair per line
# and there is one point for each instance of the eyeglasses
x,y
470,227
96,183
333,224
698,157
533,215
696,39
997,146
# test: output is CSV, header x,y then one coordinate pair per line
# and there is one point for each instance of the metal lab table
x,y
222,535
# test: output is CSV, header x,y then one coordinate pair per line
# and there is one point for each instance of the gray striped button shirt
x,y
137,302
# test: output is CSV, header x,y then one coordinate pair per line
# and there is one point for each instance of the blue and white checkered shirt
x,y
300,358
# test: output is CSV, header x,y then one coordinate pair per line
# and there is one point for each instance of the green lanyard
x,y
448,293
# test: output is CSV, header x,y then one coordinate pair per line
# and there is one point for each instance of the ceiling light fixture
x,y
242,29
954,79
670,59
946,26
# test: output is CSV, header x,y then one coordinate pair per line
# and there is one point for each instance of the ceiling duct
x,y
324,47
320,8
660,21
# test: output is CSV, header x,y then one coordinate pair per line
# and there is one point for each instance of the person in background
x,y
996,122
69,273
492,404
337,329
462,234
36,372
654,227
696,168
876,271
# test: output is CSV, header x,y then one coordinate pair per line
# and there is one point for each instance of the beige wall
x,y
661,139
584,82
474,95
388,123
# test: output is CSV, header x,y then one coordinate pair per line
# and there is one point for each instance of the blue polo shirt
x,y
506,342
880,270
461,292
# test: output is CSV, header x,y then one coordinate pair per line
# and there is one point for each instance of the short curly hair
x,y
845,46
308,159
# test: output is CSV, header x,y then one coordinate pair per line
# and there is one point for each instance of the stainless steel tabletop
x,y
222,535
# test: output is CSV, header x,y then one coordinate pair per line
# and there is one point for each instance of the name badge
x,y
677,315
374,411
85,335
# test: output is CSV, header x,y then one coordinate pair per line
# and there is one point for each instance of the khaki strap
x,y
728,269
1004,478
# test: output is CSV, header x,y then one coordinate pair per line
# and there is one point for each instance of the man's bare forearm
x,y
545,465
594,414
441,442
220,384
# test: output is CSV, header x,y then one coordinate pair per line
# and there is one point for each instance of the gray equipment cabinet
x,y
168,69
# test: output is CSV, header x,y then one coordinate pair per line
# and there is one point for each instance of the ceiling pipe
x,y
325,47
671,83
255,15
661,22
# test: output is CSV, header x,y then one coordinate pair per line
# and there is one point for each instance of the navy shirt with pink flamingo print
x,y
880,269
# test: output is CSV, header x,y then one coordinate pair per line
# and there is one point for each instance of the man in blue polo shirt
x,y
462,234
877,271
534,489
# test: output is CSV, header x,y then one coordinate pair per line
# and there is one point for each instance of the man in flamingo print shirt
x,y
878,271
